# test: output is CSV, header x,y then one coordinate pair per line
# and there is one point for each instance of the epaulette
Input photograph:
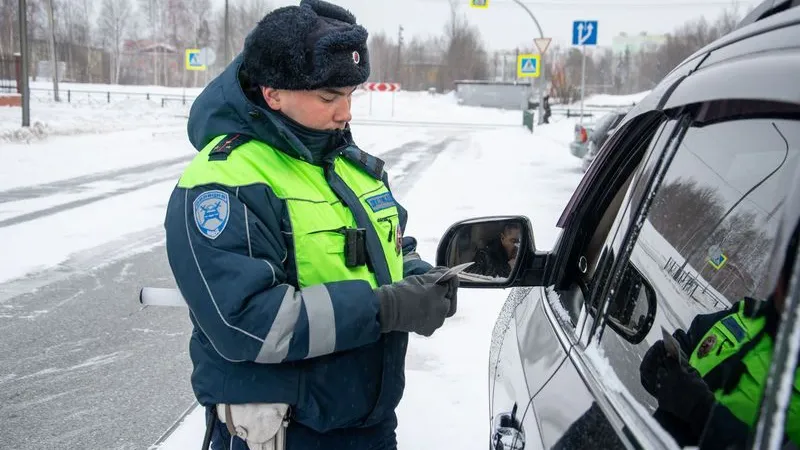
x,y
226,145
371,164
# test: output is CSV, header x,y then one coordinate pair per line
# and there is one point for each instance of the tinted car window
x,y
707,236
595,209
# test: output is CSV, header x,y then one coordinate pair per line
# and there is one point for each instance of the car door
x,y
699,232
570,406
538,326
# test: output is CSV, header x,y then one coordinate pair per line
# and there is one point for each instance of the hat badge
x,y
356,57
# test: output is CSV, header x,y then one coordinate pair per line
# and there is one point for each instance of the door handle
x,y
507,432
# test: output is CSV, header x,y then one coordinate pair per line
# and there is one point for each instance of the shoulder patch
x,y
371,164
707,345
381,201
211,212
224,147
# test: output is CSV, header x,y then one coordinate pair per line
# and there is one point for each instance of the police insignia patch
x,y
211,212
707,345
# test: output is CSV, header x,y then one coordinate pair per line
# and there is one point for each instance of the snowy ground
x,y
64,194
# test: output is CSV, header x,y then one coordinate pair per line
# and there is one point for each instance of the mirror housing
x,y
632,310
502,249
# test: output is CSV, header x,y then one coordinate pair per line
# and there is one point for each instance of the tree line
x,y
143,42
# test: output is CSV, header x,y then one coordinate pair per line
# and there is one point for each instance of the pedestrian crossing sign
x,y
528,65
194,60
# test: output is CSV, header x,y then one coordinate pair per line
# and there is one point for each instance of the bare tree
x,y
8,26
381,48
243,17
113,22
83,13
53,56
465,56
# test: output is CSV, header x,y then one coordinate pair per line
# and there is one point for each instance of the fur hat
x,y
311,46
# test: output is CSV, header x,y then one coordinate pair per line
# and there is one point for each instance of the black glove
x,y
648,369
684,340
416,304
682,392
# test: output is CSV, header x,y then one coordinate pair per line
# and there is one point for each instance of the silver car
x,y
675,223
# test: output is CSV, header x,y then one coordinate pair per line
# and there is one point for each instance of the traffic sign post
x,y
584,32
381,87
528,65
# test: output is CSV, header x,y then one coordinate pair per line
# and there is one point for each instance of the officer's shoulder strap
x,y
370,164
226,145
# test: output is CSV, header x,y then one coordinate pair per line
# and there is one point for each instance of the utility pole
x,y
227,56
399,49
53,58
23,48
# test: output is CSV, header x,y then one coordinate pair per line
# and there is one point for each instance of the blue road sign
x,y
584,32
528,65
194,59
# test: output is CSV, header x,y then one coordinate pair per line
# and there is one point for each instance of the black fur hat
x,y
311,46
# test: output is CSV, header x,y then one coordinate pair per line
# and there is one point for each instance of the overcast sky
x,y
505,25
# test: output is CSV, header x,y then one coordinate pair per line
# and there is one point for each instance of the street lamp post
x,y
541,35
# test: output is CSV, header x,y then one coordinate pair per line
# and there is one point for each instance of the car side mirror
x,y
500,248
632,310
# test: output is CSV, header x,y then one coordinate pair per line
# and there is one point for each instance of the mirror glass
x,y
633,307
492,246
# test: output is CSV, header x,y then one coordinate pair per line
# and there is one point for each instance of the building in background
x,y
494,94
635,43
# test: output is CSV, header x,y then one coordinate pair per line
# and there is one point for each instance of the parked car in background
x,y
595,128
579,146
604,128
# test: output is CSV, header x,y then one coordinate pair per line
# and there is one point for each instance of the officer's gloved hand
x,y
684,341
416,304
682,392
648,370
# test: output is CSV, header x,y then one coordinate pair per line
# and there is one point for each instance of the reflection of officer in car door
x,y
497,258
714,397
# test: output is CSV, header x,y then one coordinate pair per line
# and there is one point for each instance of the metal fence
x,y
588,111
82,96
8,74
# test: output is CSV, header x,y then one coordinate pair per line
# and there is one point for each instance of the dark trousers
x,y
378,437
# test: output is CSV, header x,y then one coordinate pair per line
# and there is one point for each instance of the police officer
x,y
714,396
287,244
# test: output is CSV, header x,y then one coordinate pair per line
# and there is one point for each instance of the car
x,y
675,218
604,127
586,132
580,142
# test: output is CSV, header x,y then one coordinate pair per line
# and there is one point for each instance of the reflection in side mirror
x,y
496,246
633,308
